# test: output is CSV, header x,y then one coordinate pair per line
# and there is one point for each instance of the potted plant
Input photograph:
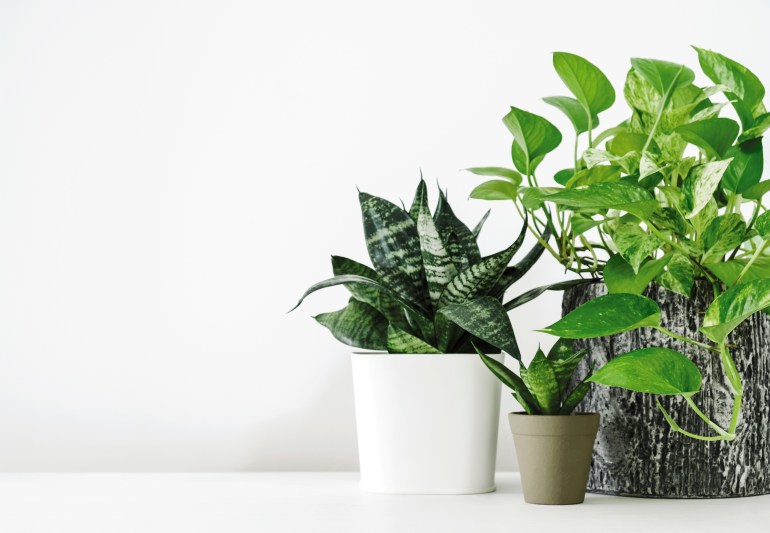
x,y
553,444
426,408
667,209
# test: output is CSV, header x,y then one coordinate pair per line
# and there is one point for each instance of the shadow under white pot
x,y
426,423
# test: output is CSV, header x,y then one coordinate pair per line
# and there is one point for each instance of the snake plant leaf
x,y
723,235
713,135
621,278
584,79
513,382
541,380
358,324
564,360
665,77
734,306
621,196
574,111
351,279
399,341
761,125
634,244
537,291
485,319
679,276
495,190
607,315
421,191
700,184
746,168
744,90
534,137
762,225
497,172
514,273
477,228
574,398
394,248
651,370
437,264
728,271
459,240
342,266
478,279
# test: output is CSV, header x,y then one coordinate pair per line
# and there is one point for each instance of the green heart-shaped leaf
x,y
607,315
651,370
662,75
584,79
533,135
621,278
713,135
734,306
621,196
574,110
700,184
495,190
746,167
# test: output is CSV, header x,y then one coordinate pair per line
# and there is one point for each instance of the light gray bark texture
x,y
636,452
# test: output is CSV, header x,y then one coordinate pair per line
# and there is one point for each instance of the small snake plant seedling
x,y
542,388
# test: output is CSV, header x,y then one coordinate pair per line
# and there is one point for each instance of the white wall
x,y
174,174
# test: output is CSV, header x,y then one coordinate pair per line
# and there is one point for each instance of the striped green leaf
x,y
478,279
399,341
575,397
416,312
458,239
485,319
542,383
438,265
537,291
477,227
514,273
512,381
564,360
358,324
394,248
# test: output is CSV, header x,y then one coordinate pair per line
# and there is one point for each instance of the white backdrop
x,y
174,174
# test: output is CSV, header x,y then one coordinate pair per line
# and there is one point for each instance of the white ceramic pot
x,y
427,424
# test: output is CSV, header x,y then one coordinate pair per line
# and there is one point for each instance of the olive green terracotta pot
x,y
554,454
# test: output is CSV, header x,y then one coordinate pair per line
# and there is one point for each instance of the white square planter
x,y
427,424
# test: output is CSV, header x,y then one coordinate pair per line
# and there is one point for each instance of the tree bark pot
x,y
637,453
554,454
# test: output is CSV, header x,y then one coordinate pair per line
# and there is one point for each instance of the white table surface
x,y
332,502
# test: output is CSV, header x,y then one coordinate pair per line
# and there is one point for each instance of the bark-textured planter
x,y
636,453
554,454
426,424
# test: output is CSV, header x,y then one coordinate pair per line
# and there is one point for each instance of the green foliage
x,y
734,306
651,370
542,388
427,266
671,195
533,138
607,315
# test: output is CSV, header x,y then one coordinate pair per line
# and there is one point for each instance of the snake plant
x,y
542,387
423,262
